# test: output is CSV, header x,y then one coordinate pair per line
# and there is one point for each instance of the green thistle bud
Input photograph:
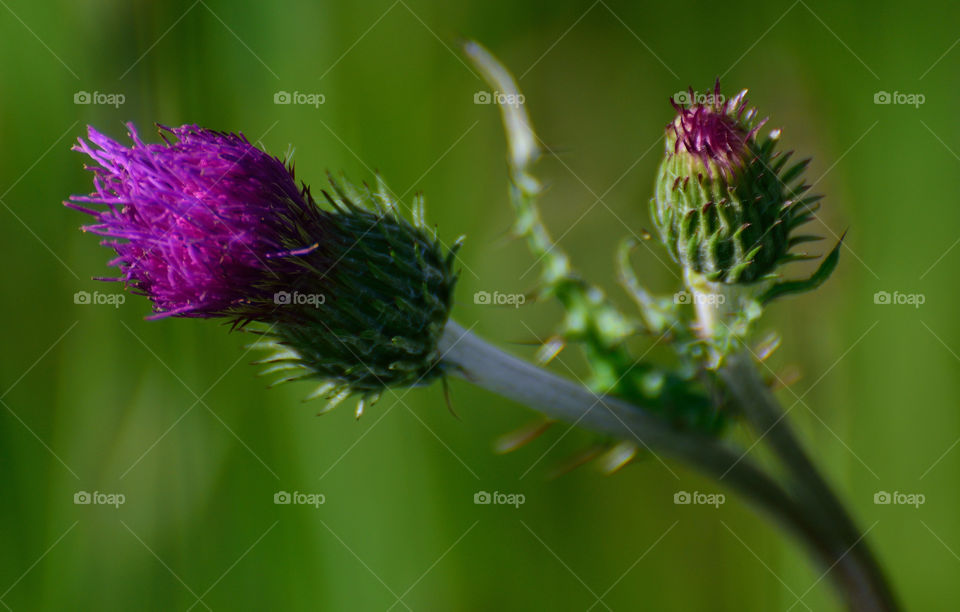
x,y
724,205
372,303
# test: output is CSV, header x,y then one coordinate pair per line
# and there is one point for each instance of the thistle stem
x,y
763,411
867,588
486,366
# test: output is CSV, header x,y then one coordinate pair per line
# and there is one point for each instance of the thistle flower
x,y
206,225
725,204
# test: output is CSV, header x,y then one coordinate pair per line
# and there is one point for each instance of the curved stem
x,y
491,368
869,590
764,412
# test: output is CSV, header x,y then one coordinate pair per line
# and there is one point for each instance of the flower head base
x,y
205,225
724,205
387,297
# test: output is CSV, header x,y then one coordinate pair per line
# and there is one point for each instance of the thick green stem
x,y
716,307
763,411
558,398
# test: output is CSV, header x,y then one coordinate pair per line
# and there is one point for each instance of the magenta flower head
x,y
207,225
728,203
204,224
715,132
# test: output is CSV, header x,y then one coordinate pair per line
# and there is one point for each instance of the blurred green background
x,y
170,415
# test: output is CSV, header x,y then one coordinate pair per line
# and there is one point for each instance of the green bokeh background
x,y
170,415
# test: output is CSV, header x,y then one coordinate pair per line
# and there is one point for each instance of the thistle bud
x,y
724,205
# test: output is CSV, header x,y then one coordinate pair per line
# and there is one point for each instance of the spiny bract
x,y
371,312
724,205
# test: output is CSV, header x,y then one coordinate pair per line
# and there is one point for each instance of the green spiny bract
x,y
382,290
724,205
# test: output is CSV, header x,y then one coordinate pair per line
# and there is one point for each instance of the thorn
x,y
550,349
511,441
767,346
576,461
446,398
320,391
335,401
618,456
786,378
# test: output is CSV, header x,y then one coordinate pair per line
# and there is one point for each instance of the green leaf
x,y
822,273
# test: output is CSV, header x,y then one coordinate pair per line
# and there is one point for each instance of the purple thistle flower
x,y
715,130
205,225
